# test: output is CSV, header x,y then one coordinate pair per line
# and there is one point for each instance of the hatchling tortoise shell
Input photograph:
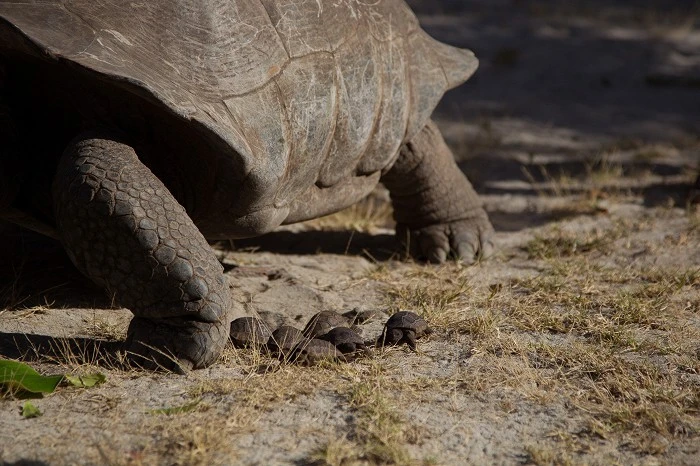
x,y
323,322
249,332
404,327
134,132
310,352
346,340
283,340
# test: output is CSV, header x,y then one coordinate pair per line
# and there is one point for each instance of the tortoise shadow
x,y
67,351
380,247
24,462
35,271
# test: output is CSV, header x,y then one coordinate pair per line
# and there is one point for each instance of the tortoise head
x,y
391,337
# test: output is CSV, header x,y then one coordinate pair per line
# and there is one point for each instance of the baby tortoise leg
x,y
435,207
396,336
125,231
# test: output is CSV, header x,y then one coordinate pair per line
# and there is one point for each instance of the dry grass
x,y
376,436
567,244
107,329
23,304
380,430
619,344
193,439
367,216
599,179
613,345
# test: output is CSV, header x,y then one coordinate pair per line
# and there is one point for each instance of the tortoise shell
x,y
323,322
404,327
249,332
283,340
309,352
288,102
346,340
409,321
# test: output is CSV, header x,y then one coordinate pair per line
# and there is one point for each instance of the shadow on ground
x,y
379,247
30,347
35,271
549,66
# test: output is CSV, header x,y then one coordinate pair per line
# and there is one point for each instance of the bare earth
x,y
579,343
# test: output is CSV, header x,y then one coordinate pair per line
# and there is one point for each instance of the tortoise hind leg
x,y
125,231
435,207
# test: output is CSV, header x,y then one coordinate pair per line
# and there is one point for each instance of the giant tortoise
x,y
134,132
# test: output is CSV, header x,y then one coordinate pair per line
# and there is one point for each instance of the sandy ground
x,y
579,343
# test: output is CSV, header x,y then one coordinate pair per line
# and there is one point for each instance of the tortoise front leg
x,y
124,230
435,207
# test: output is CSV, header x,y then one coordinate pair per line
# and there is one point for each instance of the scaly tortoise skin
x,y
404,327
136,132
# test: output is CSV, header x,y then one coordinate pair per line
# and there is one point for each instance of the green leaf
x,y
29,410
176,409
86,381
18,378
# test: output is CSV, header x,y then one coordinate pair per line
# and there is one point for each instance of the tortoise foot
x,y
437,211
466,240
175,345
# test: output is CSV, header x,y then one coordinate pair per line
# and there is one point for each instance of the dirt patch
x,y
579,343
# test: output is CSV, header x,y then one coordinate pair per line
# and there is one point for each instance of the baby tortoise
x,y
283,340
346,340
249,332
404,327
323,322
310,352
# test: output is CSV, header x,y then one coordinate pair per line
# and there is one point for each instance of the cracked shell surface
x,y
301,103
